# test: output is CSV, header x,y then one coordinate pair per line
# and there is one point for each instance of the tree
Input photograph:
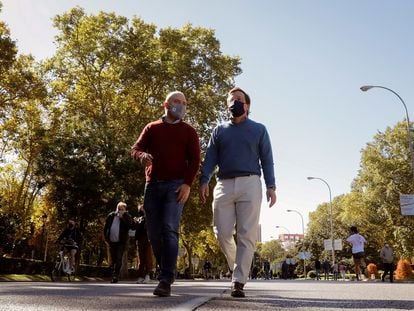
x,y
272,251
385,174
109,78
373,203
8,49
23,101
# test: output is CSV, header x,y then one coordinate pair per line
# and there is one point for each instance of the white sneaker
x,y
147,279
140,280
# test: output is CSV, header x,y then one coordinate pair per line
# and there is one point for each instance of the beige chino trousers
x,y
236,209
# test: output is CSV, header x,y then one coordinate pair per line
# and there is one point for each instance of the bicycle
x,y
61,268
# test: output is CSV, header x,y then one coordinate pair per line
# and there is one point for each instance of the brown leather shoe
x,y
237,290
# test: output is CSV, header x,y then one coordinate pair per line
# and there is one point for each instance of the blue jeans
x,y
163,215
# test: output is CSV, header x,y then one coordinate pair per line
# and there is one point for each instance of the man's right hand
x,y
146,159
204,193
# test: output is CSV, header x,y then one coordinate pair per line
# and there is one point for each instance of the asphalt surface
x,y
207,295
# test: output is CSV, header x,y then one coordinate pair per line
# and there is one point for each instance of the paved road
x,y
211,295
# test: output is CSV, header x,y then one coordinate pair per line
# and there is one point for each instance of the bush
x,y
404,270
372,270
28,266
311,274
23,266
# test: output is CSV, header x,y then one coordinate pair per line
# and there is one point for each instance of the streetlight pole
x,y
303,233
288,244
410,141
283,228
44,219
330,216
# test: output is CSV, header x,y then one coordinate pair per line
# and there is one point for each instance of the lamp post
x,y
410,141
283,228
44,219
288,244
303,233
330,216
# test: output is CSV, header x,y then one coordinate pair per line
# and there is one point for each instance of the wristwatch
x,y
272,187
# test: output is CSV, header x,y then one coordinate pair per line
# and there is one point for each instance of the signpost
x,y
407,204
328,245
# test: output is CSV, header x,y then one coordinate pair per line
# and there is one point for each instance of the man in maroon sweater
x,y
169,148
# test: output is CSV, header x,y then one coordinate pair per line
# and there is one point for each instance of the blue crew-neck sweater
x,y
238,150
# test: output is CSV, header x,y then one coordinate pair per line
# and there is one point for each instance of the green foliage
x,y
67,124
23,102
272,251
66,127
107,80
9,223
385,174
8,50
373,203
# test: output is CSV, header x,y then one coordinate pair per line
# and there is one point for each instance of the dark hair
x,y
353,229
235,89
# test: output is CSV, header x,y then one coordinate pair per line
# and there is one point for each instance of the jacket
x,y
124,226
387,255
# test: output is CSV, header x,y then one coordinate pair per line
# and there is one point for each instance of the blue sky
x,y
303,63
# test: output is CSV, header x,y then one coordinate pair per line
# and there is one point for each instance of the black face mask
x,y
71,226
236,108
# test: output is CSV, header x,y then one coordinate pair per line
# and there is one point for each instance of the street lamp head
x,y
310,178
365,88
288,210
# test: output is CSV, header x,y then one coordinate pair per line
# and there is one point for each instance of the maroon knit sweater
x,y
175,149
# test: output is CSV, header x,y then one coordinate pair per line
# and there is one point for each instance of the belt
x,y
232,177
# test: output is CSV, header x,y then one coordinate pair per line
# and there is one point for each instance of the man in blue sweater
x,y
241,149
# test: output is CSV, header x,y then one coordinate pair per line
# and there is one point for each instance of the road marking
x,y
191,304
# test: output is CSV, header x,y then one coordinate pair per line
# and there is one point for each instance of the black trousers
x,y
388,267
117,250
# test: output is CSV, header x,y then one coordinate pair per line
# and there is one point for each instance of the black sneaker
x,y
237,290
114,280
163,289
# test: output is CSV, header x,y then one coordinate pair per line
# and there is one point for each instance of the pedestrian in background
x,y
241,149
335,271
358,254
146,264
116,229
342,270
169,148
285,269
318,269
326,268
387,257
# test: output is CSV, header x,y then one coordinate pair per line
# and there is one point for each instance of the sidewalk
x,y
41,278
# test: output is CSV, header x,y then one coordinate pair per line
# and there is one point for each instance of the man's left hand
x,y
271,196
183,193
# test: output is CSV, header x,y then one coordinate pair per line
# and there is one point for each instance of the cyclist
x,y
71,239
